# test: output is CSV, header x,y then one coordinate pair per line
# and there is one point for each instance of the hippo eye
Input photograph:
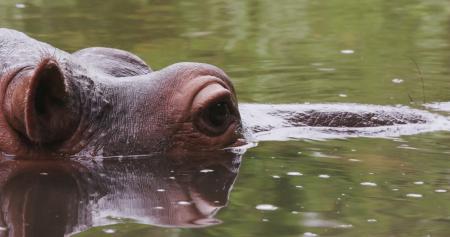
x,y
217,114
215,119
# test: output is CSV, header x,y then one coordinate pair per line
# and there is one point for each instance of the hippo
x,y
103,102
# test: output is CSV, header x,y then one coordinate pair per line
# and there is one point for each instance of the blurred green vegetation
x,y
286,51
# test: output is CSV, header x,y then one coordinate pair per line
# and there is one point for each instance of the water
x,y
372,52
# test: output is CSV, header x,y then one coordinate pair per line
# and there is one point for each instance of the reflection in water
x,y
56,197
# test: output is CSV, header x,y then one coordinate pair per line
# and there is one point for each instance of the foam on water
x,y
439,106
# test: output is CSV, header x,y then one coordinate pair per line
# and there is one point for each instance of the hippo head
x,y
107,102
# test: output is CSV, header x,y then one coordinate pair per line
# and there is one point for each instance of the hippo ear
x,y
40,106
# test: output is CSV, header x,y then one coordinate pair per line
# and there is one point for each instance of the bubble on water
x,y
309,234
405,146
322,155
354,160
183,203
266,207
324,176
419,182
206,171
20,5
197,34
326,69
276,176
160,190
347,51
294,173
414,195
345,226
109,231
397,80
370,184
441,190
342,95
371,220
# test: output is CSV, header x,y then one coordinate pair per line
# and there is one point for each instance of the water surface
x,y
374,52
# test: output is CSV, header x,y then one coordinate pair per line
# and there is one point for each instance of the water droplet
x,y
266,207
294,212
440,190
419,182
159,208
275,176
371,220
369,184
397,80
109,231
342,95
299,186
414,195
347,51
324,176
2,228
294,173
160,190
206,171
43,173
265,220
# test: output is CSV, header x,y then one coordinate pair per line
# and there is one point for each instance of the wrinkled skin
x,y
53,198
101,101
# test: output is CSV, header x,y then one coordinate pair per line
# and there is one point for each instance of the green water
x,y
294,51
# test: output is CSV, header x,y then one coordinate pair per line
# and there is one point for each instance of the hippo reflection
x,y
101,101
56,197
